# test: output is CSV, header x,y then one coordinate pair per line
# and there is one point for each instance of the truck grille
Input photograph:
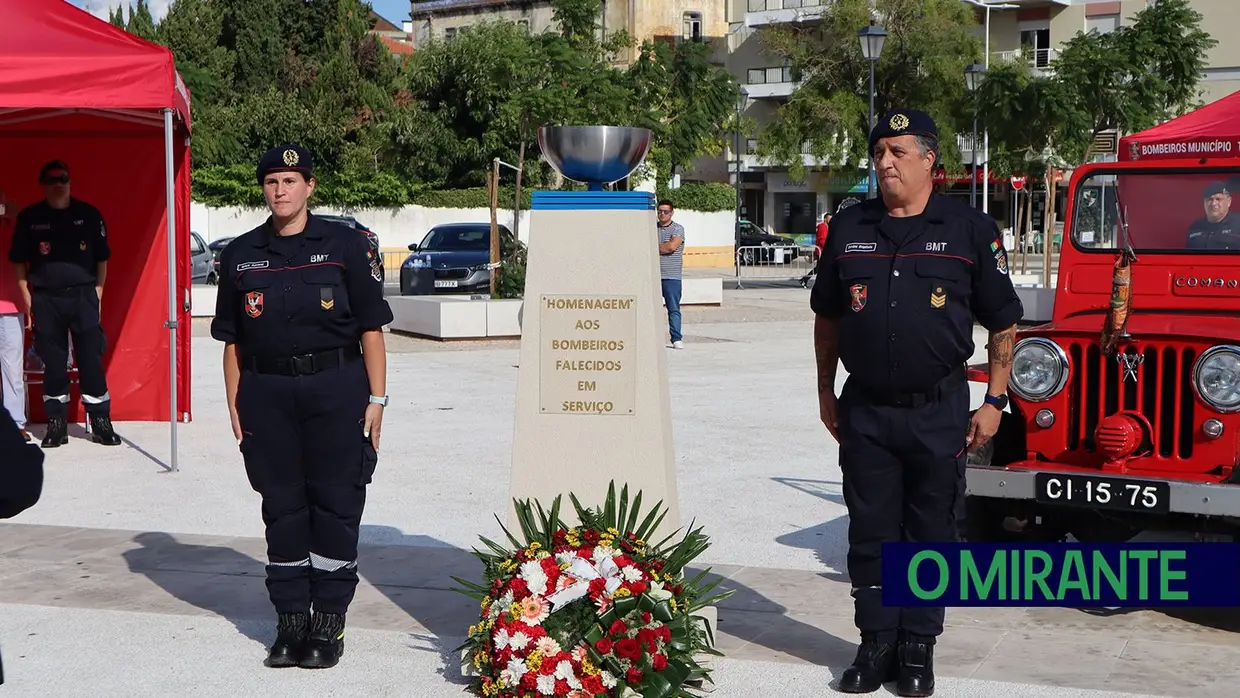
x,y
1162,392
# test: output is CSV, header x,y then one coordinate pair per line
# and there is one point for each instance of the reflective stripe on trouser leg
x,y
335,515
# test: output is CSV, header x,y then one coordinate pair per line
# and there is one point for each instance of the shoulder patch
x,y
860,247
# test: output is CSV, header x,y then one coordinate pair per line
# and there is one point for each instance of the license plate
x,y
445,283
1103,492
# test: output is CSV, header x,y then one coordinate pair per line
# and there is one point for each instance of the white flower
x,y
546,685
501,638
565,559
547,646
501,605
658,593
535,578
627,692
564,670
519,640
609,681
516,669
579,652
601,553
631,574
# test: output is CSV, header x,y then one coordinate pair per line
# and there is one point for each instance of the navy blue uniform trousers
x,y
56,314
903,467
306,455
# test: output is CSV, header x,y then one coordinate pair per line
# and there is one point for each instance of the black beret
x,y
903,122
289,157
1214,188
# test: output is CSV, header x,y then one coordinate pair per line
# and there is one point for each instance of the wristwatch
x,y
381,401
999,401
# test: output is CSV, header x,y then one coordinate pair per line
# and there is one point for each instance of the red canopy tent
x,y
115,110
1211,131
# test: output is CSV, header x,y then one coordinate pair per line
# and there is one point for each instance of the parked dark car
x,y
216,247
452,258
749,236
371,237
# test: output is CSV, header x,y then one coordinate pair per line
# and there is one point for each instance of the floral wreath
x,y
589,611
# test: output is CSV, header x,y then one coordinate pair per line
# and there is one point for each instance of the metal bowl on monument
x,y
594,154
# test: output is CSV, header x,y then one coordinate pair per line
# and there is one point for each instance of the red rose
x,y
593,685
529,682
639,588
659,662
597,586
665,633
646,617
561,687
629,648
677,589
633,677
617,629
647,637
547,668
603,646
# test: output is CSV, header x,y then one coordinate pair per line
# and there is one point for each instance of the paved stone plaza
x,y
127,580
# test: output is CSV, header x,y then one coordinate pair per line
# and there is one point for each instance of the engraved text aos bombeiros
x,y
587,350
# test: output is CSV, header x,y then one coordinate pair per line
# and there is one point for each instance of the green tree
x,y
928,45
117,18
141,23
684,99
253,31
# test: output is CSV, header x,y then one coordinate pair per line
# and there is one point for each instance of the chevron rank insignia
x,y
938,299
326,301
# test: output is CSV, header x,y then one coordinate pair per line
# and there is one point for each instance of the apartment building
x,y
1033,30
660,20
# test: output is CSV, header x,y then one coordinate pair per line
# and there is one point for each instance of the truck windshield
x,y
1186,211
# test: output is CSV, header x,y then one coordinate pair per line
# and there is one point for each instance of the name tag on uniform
x,y
860,247
326,301
252,265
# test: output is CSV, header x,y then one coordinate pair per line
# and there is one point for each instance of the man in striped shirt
x,y
671,261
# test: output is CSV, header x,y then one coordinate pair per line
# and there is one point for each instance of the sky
x,y
394,10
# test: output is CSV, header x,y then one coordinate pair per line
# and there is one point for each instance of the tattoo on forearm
x,y
1000,347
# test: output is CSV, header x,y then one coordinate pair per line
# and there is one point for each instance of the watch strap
x,y
376,400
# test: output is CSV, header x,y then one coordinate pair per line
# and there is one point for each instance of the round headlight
x,y
1217,378
1039,369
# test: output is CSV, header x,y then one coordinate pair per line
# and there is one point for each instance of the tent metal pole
x,y
170,193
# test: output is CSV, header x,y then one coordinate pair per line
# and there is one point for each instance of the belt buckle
x,y
303,365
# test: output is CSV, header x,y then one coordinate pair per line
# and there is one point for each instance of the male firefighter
x,y
901,280
60,249
1219,229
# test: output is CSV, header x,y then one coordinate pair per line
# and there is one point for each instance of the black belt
x,y
934,394
303,364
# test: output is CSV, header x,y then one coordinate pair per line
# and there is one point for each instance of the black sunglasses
x,y
667,211
58,179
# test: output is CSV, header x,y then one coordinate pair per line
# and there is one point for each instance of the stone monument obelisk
x,y
593,404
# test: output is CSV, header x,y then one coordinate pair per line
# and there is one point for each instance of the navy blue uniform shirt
x,y
62,246
906,291
1223,235
285,296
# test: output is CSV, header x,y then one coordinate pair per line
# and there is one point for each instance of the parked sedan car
x,y
202,268
750,236
371,237
452,258
217,247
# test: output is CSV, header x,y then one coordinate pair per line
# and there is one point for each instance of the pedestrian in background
x,y
60,251
671,268
903,277
12,328
300,310
820,244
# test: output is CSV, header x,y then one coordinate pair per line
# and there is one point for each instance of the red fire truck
x,y
1125,408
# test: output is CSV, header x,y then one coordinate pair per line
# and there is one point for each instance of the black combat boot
x,y
101,431
875,663
326,643
57,432
916,668
292,630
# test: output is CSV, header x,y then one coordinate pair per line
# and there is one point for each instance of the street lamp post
x,y
872,38
743,96
973,77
